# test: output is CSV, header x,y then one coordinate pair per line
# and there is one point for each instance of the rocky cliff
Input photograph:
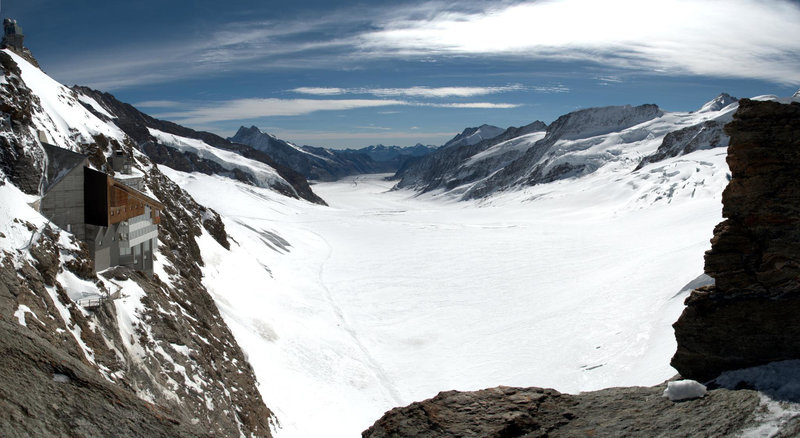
x,y
154,358
749,316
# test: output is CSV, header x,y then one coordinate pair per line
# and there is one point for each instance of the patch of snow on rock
x,y
684,390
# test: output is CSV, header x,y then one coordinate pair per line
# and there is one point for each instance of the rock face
x,y
706,135
155,358
750,316
534,412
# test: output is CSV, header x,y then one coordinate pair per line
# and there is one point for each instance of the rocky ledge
x,y
505,412
749,317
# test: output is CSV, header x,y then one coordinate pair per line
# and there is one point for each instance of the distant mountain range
x,y
325,164
480,161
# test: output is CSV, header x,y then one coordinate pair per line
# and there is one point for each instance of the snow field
x,y
386,298
64,119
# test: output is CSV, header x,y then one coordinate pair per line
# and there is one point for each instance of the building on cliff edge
x,y
12,35
111,215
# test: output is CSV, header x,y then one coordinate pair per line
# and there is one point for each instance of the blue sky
x,y
354,73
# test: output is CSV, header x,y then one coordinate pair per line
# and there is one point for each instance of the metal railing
x,y
91,303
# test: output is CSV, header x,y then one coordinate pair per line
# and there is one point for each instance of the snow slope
x,y
66,122
263,174
386,298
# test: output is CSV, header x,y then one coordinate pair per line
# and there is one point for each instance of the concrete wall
x,y
64,203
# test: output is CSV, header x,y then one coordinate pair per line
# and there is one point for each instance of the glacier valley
x,y
387,297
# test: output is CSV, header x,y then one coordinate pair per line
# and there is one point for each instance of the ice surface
x,y
684,390
385,297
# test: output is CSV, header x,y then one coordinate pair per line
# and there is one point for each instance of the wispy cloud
x,y
420,91
377,128
245,109
476,105
242,109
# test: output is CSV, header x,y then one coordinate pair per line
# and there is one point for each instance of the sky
x,y
356,73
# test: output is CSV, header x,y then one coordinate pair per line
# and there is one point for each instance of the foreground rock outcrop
x,y
536,412
749,317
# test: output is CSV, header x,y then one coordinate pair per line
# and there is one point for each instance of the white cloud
x,y
735,38
477,105
420,91
242,109
245,109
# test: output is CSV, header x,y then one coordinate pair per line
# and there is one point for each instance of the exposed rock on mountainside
x,y
135,124
324,164
535,412
705,135
155,358
750,316
515,158
545,162
19,160
453,164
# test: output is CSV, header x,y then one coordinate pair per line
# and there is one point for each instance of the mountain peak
x,y
470,136
252,130
718,103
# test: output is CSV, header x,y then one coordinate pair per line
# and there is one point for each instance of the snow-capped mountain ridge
x,y
575,144
718,103
452,164
61,117
471,136
592,122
